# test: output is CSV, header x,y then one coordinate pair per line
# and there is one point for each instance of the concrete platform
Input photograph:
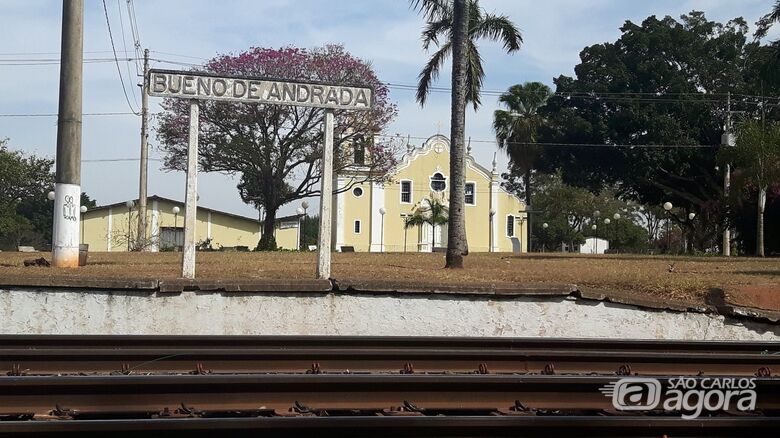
x,y
46,310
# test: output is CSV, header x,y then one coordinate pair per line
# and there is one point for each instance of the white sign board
x,y
205,86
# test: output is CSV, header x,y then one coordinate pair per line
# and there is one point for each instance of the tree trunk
x,y
267,240
760,222
457,246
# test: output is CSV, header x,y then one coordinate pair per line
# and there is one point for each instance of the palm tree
x,y
435,214
459,24
439,31
516,126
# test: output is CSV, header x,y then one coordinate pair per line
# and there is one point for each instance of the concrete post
x,y
727,139
191,196
326,200
143,175
726,230
67,186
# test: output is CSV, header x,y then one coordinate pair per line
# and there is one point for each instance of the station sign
x,y
207,86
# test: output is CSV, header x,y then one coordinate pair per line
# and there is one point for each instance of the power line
x,y
124,45
167,61
53,61
675,98
651,94
55,114
630,146
118,70
180,56
48,53
134,33
116,160
637,96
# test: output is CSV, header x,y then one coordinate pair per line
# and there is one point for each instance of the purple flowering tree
x,y
275,150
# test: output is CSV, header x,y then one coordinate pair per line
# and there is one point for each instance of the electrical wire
x,y
55,114
136,36
553,144
116,160
124,45
118,69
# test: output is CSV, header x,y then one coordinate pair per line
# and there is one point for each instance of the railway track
x,y
94,385
58,355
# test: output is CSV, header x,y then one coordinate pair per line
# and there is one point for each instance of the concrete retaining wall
x,y
41,311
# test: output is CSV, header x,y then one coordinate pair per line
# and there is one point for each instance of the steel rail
x,y
453,426
46,355
424,342
96,397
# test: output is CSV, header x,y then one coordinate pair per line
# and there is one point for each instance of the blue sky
x,y
385,32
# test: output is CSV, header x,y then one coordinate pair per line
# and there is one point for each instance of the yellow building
x,y
112,227
371,216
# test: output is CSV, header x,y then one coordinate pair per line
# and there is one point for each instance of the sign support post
x,y
191,195
326,200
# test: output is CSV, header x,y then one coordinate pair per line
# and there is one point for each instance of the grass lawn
x,y
647,276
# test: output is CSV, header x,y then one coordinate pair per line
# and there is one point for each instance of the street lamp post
x,y
175,211
490,230
691,216
595,227
606,233
405,218
544,227
300,212
668,207
305,206
382,212
616,217
130,204
82,209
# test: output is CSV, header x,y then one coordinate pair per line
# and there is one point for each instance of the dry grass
x,y
649,276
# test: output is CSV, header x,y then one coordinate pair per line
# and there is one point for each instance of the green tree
x,y
310,232
25,212
663,82
433,214
569,211
24,181
517,125
454,26
757,157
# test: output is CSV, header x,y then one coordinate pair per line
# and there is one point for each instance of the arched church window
x,y
438,182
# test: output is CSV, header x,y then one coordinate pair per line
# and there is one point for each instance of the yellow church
x,y
371,216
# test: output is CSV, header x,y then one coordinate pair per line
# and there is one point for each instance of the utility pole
x,y
67,185
727,140
142,185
